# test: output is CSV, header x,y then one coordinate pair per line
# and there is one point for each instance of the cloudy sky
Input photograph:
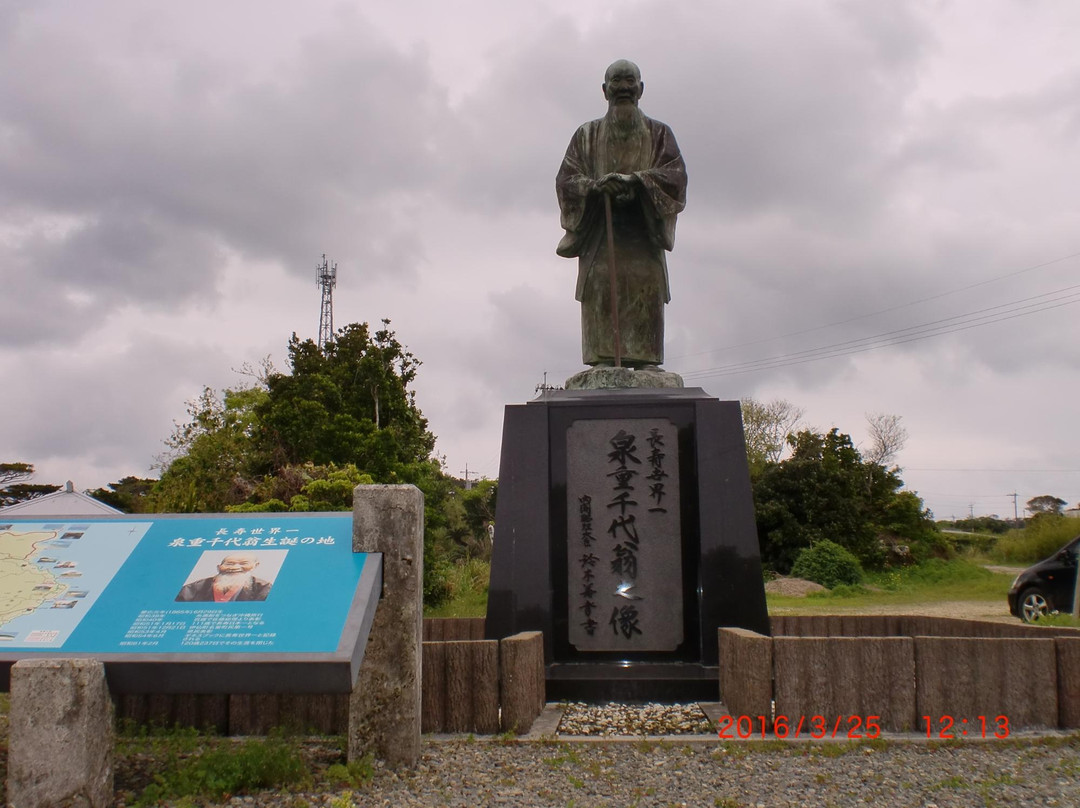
x,y
882,213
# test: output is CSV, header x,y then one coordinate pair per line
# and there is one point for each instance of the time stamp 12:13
x,y
855,727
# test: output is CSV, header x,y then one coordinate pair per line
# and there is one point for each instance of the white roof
x,y
65,502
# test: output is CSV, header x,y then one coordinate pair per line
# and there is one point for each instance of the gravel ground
x,y
644,773
693,770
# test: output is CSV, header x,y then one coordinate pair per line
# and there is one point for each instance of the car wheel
x,y
1033,605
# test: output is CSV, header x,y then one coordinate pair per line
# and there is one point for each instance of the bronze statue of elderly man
x,y
620,187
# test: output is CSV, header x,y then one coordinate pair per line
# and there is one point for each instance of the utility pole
x,y
468,482
326,279
1016,513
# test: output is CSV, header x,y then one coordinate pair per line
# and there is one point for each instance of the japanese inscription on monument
x,y
624,548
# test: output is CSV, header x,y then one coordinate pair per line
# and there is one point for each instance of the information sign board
x,y
195,604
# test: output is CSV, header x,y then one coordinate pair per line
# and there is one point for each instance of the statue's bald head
x,y
620,66
622,83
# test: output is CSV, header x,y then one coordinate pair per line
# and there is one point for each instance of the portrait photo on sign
x,y
225,576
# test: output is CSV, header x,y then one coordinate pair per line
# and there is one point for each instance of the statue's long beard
x,y
625,122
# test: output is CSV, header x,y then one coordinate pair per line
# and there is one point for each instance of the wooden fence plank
x,y
459,687
746,672
1068,672
521,676
838,677
485,679
433,688
967,677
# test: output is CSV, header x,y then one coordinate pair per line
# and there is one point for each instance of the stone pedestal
x,y
384,709
603,377
625,533
61,737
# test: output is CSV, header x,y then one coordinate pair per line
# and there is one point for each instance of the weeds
x,y
343,801
1039,539
222,768
467,587
355,773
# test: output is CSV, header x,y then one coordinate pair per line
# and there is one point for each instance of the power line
x,y
933,328
882,311
1002,471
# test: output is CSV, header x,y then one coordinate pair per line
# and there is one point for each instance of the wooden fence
x,y
469,685
960,673
477,685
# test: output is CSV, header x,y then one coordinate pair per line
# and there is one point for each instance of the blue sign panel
x,y
185,588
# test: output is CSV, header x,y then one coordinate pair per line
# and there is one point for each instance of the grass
x,y
1061,620
1039,539
219,768
933,581
468,585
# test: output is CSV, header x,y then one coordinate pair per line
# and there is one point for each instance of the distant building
x,y
1072,512
65,502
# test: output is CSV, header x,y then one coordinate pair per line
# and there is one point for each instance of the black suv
x,y
1047,586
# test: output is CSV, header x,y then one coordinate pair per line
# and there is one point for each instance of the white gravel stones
x,y
612,720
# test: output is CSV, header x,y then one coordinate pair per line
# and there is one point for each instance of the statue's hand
x,y
621,187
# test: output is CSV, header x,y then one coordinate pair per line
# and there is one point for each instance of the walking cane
x,y
611,275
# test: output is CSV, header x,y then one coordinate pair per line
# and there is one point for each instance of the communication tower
x,y
326,278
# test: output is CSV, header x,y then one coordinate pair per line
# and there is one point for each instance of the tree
x,y
1045,503
15,473
347,403
14,485
826,491
306,488
302,439
214,460
128,494
887,438
766,426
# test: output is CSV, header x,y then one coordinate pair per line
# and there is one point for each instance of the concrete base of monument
x,y
625,534
663,682
605,377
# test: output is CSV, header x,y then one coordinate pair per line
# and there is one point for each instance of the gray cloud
x,y
164,172
174,171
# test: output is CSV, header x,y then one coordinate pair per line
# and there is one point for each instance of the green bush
x,y
828,564
1043,536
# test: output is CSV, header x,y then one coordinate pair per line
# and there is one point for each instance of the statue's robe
x,y
644,228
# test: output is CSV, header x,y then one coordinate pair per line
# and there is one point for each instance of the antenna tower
x,y
326,278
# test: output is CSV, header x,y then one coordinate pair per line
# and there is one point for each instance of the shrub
x,y
1043,536
828,564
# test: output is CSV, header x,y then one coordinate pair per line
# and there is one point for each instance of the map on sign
x,y
52,573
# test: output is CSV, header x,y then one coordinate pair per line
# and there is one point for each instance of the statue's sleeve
x,y
665,185
572,188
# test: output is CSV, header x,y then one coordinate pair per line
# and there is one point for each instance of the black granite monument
x,y
624,529
625,533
